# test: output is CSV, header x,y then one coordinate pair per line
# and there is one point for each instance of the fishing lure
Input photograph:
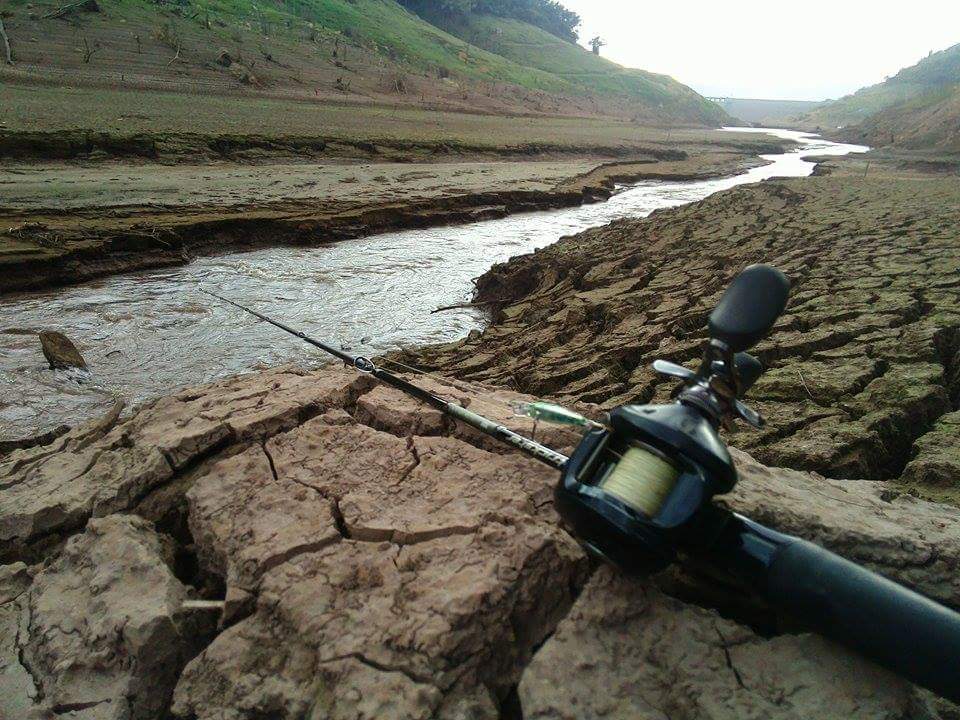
x,y
553,414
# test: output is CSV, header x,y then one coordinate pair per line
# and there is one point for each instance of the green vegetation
x,y
376,49
580,70
548,15
382,26
936,73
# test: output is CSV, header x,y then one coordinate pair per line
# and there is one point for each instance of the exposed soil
x,y
861,368
65,223
292,544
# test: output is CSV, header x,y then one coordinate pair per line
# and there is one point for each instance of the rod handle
x,y
896,627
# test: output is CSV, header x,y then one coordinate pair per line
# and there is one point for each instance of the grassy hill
x,y
360,51
935,74
928,122
581,71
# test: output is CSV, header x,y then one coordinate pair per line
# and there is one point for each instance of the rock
x,y
60,351
99,633
628,651
934,470
224,59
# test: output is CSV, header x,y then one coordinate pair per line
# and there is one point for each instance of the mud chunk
x,y
628,651
100,630
60,351
934,470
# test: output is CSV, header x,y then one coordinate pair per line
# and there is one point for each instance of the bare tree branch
x,y
6,44
89,51
175,57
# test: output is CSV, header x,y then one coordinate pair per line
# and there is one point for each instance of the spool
x,y
643,479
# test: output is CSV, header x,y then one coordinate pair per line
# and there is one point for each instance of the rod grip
x,y
896,627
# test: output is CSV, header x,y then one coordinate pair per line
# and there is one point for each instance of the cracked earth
x,y
371,559
309,544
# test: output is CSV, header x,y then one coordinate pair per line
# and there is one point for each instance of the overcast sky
x,y
806,50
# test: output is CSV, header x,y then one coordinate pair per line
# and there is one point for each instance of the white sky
x,y
801,50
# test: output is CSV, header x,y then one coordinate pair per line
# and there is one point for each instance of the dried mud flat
x,y
863,370
376,561
66,222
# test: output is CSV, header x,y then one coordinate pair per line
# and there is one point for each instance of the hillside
x,y
935,74
353,51
581,72
930,122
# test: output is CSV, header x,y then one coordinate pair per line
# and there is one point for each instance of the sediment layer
x,y
162,216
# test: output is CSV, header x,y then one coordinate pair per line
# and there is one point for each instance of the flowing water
x,y
144,334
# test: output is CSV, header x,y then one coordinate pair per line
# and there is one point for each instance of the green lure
x,y
550,413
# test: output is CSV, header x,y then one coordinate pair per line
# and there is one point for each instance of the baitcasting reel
x,y
633,491
638,493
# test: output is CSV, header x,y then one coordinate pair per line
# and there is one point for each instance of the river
x,y
144,334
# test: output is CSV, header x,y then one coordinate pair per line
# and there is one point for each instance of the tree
x,y
596,44
547,15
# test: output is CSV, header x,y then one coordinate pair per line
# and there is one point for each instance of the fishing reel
x,y
635,490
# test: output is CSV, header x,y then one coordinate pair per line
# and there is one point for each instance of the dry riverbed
x,y
378,560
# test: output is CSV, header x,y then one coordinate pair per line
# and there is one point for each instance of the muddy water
x,y
147,333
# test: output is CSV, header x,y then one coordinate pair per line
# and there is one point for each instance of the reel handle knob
x,y
748,370
665,367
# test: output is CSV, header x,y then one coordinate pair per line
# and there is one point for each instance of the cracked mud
x,y
359,555
860,369
374,559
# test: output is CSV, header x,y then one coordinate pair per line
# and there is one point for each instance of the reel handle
x,y
896,627
749,307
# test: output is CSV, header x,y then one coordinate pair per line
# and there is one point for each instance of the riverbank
x,y
863,373
376,556
144,334
63,223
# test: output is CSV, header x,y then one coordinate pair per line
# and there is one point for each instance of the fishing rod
x,y
638,492
364,365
